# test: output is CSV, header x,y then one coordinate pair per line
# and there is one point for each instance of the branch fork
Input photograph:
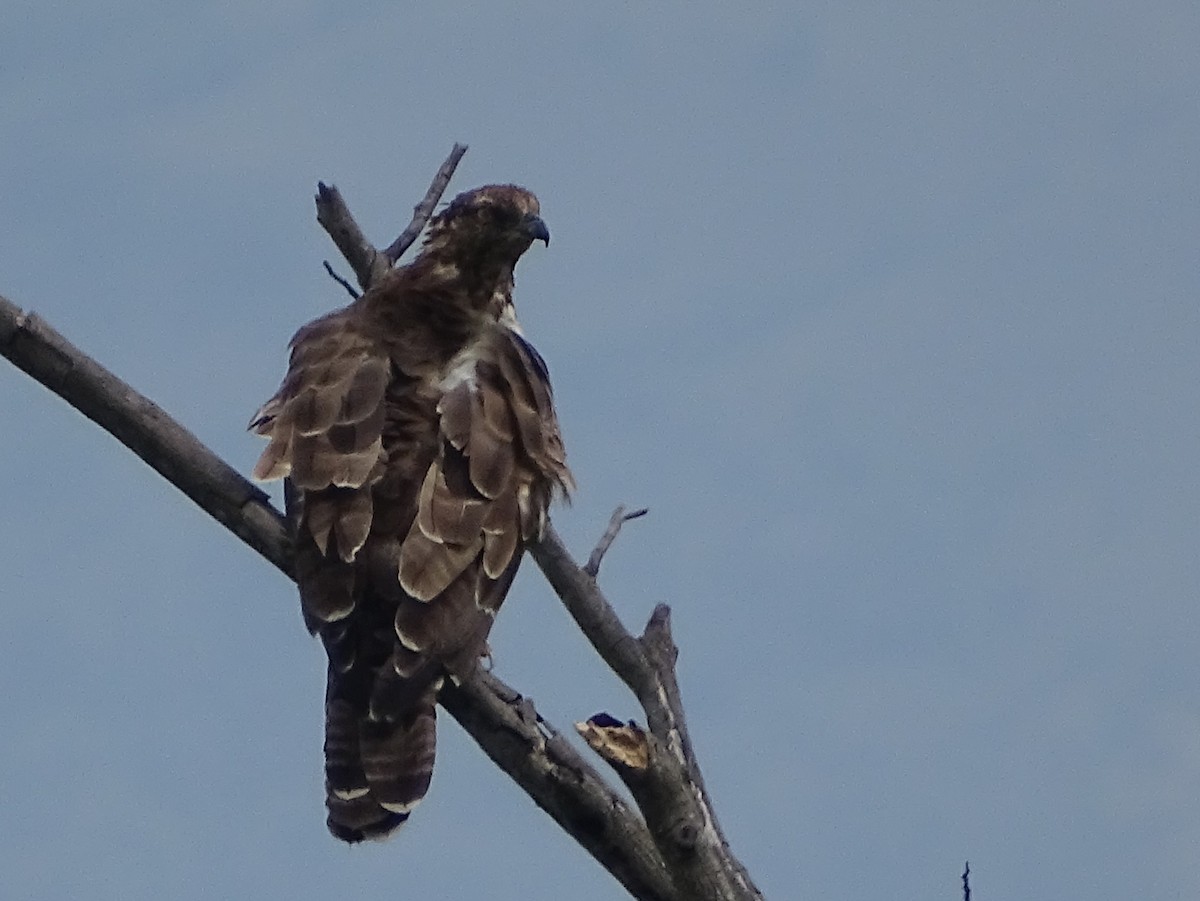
x,y
671,848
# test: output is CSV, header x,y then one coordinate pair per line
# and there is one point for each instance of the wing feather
x,y
325,430
427,566
495,412
414,487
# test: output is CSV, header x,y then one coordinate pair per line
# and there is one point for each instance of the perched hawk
x,y
416,430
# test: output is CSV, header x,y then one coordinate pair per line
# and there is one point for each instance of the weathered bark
x,y
673,851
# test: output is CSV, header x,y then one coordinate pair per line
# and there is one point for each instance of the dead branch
x,y
335,218
423,210
670,789
620,744
678,852
341,281
368,263
146,429
558,780
562,783
618,519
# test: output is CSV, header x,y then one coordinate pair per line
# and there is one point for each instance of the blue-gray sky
x,y
887,311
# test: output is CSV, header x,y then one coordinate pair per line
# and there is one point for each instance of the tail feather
x,y
360,818
344,775
397,758
376,771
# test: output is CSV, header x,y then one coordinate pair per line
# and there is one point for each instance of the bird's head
x,y
492,224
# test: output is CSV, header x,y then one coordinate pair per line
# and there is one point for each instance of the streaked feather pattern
x,y
417,430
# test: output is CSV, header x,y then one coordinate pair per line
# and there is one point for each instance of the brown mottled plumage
x,y
417,433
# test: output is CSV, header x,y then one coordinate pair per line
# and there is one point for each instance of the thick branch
x,y
561,783
715,864
335,218
143,427
558,780
670,789
596,617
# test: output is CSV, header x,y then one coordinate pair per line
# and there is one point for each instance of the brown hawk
x,y
417,433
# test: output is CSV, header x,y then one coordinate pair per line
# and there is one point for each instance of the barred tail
x,y
376,771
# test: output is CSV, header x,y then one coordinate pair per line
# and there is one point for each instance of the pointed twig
x,y
966,878
618,519
341,281
368,263
424,210
336,219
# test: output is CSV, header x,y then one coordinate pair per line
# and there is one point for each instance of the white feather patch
x,y
407,640
393,807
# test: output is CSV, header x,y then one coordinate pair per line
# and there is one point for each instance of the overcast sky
x,y
887,311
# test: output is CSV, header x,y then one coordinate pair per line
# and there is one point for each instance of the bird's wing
x,y
325,428
484,495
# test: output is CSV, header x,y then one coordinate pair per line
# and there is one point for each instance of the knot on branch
x,y
684,834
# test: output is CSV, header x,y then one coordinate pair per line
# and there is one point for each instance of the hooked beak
x,y
533,226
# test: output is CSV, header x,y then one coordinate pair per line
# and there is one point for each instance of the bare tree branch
x,y
620,744
423,210
670,790
618,519
341,281
678,852
595,616
558,780
335,218
147,430
369,264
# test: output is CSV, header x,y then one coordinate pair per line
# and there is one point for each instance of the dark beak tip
x,y
536,229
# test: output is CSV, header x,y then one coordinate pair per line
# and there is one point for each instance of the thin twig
x,y
618,519
341,281
594,614
966,878
424,210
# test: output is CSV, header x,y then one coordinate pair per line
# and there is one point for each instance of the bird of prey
x,y
417,433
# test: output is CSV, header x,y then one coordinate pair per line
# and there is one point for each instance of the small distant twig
x,y
618,519
341,281
423,210
966,877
